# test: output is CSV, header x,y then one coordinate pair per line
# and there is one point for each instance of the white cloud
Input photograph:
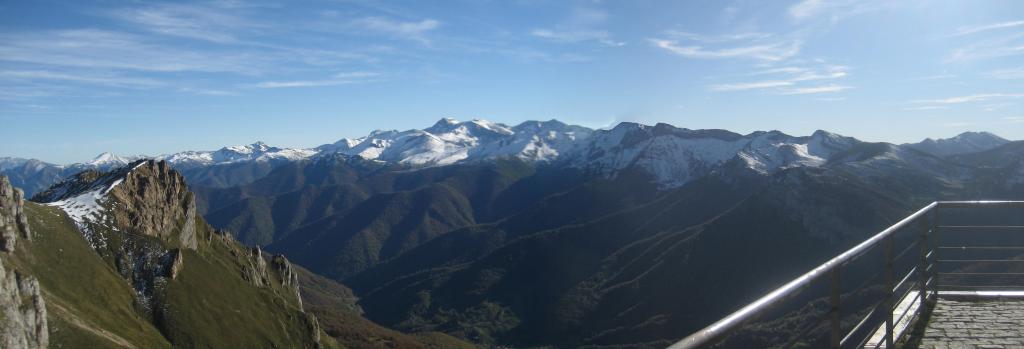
x,y
970,98
415,31
928,107
1004,46
766,52
966,30
207,92
717,38
189,21
757,85
833,10
94,79
100,49
599,36
337,79
816,89
1014,119
807,8
795,76
1007,74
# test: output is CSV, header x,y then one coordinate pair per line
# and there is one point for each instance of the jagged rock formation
x,y
12,216
22,311
22,308
288,277
155,201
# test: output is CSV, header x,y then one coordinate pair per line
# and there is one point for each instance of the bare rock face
x,y
154,200
13,222
22,311
256,270
288,276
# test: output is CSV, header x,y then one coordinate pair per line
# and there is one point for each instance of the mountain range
x,y
691,152
539,234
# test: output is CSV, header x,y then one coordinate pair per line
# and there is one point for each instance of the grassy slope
x,y
88,303
91,306
212,306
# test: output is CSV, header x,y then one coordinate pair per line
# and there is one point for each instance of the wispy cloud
x,y
928,107
207,92
337,79
766,52
995,106
1007,74
101,49
791,77
94,79
414,31
833,88
832,10
599,36
1004,46
582,24
1014,119
757,85
981,97
717,38
188,21
967,30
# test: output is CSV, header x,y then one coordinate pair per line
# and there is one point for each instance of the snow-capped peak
x,y
450,141
257,151
675,156
107,160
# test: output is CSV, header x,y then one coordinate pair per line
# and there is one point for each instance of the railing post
x,y
834,295
935,236
922,263
889,284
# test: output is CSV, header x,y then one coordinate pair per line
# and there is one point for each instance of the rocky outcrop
x,y
289,279
22,311
154,200
255,271
13,222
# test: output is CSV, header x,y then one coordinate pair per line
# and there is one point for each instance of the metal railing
x,y
909,285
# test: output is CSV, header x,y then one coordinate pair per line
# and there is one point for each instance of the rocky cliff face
x,y
22,309
154,200
12,216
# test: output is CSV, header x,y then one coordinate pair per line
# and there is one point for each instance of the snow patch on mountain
x,y
675,156
258,151
450,141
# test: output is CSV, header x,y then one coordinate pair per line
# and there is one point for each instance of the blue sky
x,y
79,78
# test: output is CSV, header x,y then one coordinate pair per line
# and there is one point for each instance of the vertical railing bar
x,y
935,216
834,300
889,303
923,266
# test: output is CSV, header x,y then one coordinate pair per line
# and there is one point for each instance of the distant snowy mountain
x,y
258,151
450,141
967,142
674,156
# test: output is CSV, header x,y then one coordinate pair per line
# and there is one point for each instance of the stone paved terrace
x,y
969,323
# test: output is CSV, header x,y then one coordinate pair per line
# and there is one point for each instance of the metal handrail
x,y
717,330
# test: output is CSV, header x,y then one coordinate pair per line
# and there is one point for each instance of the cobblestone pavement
x,y
975,324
